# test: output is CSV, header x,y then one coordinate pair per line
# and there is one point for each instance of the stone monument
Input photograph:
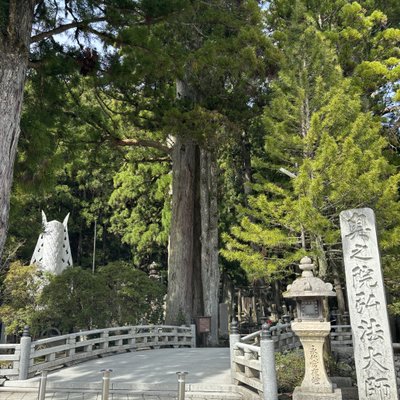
x,y
312,329
373,351
52,252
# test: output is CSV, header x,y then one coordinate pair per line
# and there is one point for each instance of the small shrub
x,y
20,298
289,370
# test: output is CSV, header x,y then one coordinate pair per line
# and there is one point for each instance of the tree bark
x,y
246,165
198,303
193,270
210,274
339,292
321,257
180,249
14,45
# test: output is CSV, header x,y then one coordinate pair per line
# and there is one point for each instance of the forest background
x,y
215,142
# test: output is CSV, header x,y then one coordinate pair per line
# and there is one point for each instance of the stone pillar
x,y
234,337
223,320
193,330
268,372
25,354
373,351
316,385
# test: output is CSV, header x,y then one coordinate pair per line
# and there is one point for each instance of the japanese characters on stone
x,y
367,306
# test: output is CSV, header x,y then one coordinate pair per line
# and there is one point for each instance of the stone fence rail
x,y
247,365
23,360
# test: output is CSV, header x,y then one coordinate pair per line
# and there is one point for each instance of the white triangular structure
x,y
52,252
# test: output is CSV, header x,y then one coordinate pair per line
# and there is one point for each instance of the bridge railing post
x,y
181,385
193,331
268,373
25,354
42,385
105,391
234,337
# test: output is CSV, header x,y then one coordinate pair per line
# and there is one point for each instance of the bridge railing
x,y
67,349
9,359
246,363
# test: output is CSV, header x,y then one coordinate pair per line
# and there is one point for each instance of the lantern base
x,y
300,394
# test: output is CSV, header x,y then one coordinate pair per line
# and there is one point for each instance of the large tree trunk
x,y
14,44
193,271
209,238
180,251
198,304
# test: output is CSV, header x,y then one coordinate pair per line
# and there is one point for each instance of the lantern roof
x,y
308,285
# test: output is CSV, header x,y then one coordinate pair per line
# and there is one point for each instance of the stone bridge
x,y
213,373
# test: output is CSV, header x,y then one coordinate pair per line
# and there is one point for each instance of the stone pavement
x,y
142,375
136,375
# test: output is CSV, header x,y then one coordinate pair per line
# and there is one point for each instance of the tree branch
x,y
63,28
143,143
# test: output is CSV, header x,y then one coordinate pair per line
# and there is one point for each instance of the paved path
x,y
136,375
141,375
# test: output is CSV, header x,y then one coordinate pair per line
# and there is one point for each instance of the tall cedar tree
x,y
321,135
215,89
197,49
49,18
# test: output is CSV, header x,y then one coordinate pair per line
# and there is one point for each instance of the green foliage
x,y
73,300
71,118
338,63
289,370
318,132
131,296
141,209
345,168
20,297
392,279
116,295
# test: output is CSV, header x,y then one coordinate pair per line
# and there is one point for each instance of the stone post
x,y
234,337
42,385
373,350
181,385
223,320
105,390
25,354
193,330
268,372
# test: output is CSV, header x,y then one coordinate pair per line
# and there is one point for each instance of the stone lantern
x,y
312,329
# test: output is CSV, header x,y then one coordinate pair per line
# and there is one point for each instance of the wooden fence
x,y
68,349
